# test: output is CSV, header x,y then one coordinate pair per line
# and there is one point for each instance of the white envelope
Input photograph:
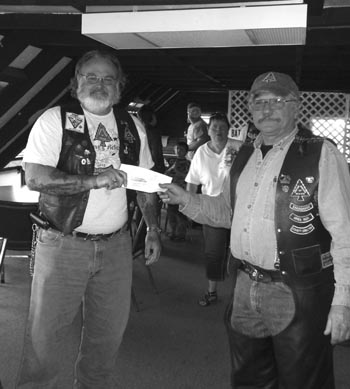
x,y
144,180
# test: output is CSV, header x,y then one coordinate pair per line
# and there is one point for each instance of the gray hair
x,y
108,55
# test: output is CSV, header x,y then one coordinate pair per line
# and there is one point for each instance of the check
x,y
144,180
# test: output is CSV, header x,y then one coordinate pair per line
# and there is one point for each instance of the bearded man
x,y
83,251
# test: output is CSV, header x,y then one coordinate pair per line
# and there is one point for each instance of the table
x,y
16,203
20,195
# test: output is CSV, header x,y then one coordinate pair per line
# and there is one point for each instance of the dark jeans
x,y
216,241
299,356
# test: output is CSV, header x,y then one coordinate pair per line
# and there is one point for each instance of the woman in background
x,y
209,168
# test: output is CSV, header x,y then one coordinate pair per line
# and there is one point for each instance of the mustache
x,y
99,90
99,93
268,118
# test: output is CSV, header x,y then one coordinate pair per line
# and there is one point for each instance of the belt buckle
x,y
254,274
93,237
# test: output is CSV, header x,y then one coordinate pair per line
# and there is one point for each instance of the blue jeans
x,y
70,271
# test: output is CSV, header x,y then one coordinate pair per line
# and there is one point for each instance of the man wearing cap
x,y
289,194
197,132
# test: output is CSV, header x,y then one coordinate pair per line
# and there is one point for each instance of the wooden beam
x,y
315,7
44,21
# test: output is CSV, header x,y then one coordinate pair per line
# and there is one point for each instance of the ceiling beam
x,y
315,7
44,21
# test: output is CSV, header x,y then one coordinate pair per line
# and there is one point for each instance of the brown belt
x,y
259,274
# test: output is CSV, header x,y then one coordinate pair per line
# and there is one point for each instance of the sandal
x,y
208,298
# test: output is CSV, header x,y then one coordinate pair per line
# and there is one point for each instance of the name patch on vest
x,y
302,230
301,208
75,122
301,219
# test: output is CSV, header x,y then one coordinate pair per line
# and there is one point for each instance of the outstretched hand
x,y
174,194
111,178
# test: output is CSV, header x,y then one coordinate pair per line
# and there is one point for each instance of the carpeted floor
x,y
171,343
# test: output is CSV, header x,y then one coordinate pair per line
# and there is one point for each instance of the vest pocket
x,y
307,260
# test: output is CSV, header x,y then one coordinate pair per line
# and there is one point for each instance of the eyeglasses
x,y
93,79
276,103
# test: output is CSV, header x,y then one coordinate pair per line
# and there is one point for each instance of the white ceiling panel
x,y
216,27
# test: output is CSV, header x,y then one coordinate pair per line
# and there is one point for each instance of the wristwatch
x,y
154,228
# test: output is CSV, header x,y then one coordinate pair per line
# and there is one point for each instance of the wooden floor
x,y
171,343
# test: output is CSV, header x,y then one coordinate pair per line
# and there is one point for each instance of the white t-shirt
x,y
106,210
207,169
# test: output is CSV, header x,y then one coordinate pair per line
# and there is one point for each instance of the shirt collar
x,y
281,143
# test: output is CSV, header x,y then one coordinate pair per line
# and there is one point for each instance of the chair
x,y
138,249
16,228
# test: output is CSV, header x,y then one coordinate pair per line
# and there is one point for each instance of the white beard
x,y
94,105
98,102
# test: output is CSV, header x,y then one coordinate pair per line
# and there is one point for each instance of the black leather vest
x,y
303,243
78,156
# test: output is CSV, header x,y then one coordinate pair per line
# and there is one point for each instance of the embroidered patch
x,y
302,230
128,136
327,260
301,208
269,78
310,180
75,122
301,219
300,191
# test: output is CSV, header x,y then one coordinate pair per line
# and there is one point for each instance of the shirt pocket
x,y
269,200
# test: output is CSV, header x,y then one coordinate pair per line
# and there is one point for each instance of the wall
x,y
172,118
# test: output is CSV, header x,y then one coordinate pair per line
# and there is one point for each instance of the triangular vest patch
x,y
75,122
300,191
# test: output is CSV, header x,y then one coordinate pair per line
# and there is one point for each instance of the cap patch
x,y
269,78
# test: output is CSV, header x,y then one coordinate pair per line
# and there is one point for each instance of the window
x,y
334,129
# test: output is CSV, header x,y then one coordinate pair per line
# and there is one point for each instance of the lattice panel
x,y
238,113
325,113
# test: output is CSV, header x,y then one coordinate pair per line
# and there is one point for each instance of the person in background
x,y
178,170
149,119
288,205
210,167
83,251
197,132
